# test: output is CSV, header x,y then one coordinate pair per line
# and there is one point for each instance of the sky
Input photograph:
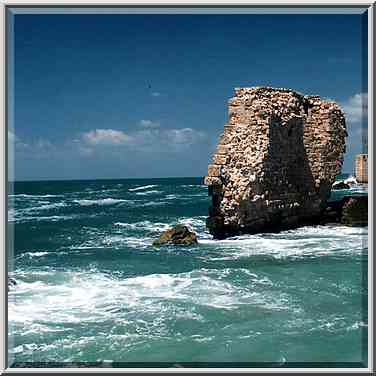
x,y
133,96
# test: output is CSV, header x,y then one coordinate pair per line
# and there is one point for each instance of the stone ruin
x,y
276,161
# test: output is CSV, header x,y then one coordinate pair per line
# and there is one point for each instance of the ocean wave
x,y
142,187
114,242
102,201
153,203
194,223
144,226
21,218
33,254
29,213
92,296
23,195
152,192
171,197
49,206
310,241
202,186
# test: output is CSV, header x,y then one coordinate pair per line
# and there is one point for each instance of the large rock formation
x,y
276,161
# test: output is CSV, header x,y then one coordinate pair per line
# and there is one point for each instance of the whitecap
x,y
33,196
88,297
34,254
103,201
144,226
152,192
142,187
310,241
49,206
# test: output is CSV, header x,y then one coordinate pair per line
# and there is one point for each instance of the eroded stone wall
x,y
276,161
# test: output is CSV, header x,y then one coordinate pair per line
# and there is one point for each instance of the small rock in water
x,y
178,235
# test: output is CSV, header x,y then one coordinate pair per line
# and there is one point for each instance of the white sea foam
x,y
142,187
144,226
102,201
152,192
194,223
171,197
154,203
79,297
21,218
33,196
303,242
114,242
49,206
34,254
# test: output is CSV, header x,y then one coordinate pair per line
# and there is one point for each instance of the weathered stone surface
x,y
210,181
178,235
276,161
214,170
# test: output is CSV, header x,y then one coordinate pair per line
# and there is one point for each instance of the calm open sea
x,y
91,287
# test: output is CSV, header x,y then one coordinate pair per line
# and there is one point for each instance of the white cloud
x,y
149,137
184,136
105,137
149,124
356,108
155,94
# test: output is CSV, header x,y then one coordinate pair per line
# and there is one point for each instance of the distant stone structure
x,y
276,161
361,168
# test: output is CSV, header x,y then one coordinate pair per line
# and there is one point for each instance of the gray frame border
x,y
371,11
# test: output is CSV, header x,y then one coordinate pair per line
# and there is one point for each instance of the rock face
x,y
276,161
349,211
355,211
178,235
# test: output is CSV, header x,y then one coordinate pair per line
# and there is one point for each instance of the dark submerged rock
x,y
340,185
178,235
355,211
350,211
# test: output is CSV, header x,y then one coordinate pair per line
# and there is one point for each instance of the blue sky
x,y
122,96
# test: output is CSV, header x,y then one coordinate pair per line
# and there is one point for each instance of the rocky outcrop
x,y
349,211
276,161
355,211
178,235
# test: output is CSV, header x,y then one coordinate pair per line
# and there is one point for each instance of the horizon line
x,y
88,179
131,178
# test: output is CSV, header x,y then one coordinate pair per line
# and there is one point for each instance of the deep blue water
x,y
91,287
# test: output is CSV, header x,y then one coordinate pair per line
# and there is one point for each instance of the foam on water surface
x,y
90,284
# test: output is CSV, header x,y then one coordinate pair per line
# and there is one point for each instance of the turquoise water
x,y
92,288
356,190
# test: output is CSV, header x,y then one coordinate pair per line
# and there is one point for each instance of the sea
x,y
93,290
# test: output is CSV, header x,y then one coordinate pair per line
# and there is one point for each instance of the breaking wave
x,y
142,187
103,201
